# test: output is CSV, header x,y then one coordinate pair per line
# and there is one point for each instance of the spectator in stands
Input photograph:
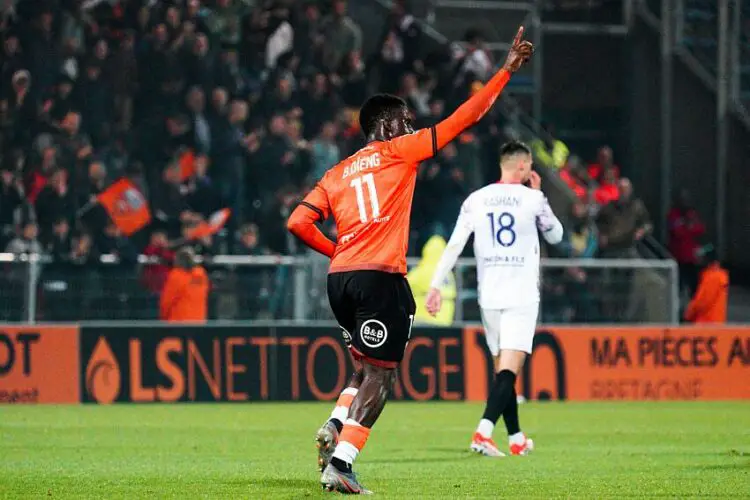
x,y
26,240
155,273
237,80
61,102
604,162
75,146
95,102
96,183
168,204
420,278
608,190
202,196
582,242
577,178
709,305
58,244
55,200
325,152
19,110
418,98
184,297
475,63
199,124
622,224
685,231
12,59
550,151
351,81
11,199
125,84
342,36
254,281
320,105
200,64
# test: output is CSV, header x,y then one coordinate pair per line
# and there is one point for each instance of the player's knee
x,y
510,360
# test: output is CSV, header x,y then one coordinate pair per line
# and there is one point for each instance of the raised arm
x,y
301,223
426,142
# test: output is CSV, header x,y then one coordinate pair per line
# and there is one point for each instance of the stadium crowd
x,y
239,104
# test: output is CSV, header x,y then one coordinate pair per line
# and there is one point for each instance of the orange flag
x,y
126,206
217,220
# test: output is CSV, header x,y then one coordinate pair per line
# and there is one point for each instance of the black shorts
x,y
376,311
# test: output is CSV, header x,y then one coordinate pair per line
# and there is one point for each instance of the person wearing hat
x,y
184,297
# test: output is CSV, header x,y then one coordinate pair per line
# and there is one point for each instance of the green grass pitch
x,y
417,450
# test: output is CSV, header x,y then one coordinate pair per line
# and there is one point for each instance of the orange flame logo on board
x,y
103,374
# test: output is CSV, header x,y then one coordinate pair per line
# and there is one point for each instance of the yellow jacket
x,y
420,278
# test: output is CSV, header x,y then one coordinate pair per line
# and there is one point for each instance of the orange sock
x,y
351,441
341,411
355,434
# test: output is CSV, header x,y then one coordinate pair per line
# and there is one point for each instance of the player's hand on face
x,y
519,52
434,301
535,181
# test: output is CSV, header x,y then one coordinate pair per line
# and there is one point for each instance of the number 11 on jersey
x,y
372,192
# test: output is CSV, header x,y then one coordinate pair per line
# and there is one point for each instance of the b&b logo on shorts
x,y
373,333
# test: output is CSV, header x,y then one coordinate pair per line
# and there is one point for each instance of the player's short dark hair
x,y
378,108
513,148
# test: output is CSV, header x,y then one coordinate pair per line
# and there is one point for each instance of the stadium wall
x,y
158,363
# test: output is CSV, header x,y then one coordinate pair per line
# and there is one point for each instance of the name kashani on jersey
x,y
506,220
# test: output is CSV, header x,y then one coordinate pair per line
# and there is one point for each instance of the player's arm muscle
x,y
548,223
426,142
301,223
455,246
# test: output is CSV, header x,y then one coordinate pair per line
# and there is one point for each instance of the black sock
x,y
341,465
500,392
510,414
339,425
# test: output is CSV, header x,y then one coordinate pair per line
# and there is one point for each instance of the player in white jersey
x,y
505,218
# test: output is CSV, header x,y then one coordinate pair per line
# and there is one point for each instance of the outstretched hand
x,y
434,301
519,52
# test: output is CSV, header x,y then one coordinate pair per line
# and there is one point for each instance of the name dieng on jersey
x,y
362,163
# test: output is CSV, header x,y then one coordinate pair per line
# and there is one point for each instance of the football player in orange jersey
x,y
369,196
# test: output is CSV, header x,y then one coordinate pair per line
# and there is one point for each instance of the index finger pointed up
x,y
519,36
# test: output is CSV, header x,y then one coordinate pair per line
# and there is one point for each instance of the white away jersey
x,y
504,219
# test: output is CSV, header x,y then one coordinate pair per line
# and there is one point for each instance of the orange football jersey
x,y
370,196
370,193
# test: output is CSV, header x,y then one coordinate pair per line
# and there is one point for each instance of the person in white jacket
x,y
505,219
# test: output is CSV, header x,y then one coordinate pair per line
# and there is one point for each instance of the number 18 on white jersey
x,y
505,220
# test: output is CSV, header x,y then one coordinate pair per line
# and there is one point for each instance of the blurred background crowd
x,y
243,104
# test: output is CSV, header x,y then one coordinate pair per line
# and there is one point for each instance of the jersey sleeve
x,y
459,237
317,201
548,223
425,143
314,208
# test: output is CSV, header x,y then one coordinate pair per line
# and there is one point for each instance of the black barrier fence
x,y
243,363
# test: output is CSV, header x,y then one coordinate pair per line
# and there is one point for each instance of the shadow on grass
x,y
274,482
456,457
744,465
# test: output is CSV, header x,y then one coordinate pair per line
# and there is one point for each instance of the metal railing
x,y
33,288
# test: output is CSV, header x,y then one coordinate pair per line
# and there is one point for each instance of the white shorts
x,y
510,329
